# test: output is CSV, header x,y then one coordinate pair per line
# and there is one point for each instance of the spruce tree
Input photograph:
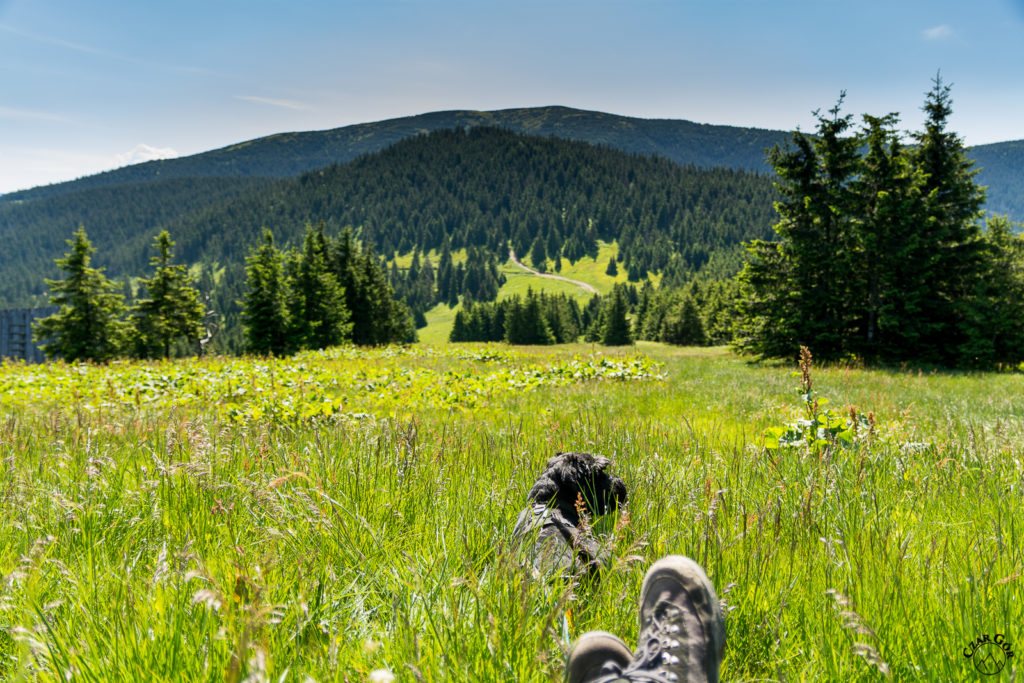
x,y
172,310
539,254
455,285
526,322
319,317
460,328
719,313
994,316
384,319
346,265
424,287
515,321
642,307
815,227
88,324
616,330
952,258
886,299
682,325
878,252
264,316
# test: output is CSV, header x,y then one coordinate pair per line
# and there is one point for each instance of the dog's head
x,y
569,475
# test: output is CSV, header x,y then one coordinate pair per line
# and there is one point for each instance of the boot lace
x,y
657,653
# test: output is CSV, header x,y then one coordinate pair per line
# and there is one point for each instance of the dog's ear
x,y
600,463
543,490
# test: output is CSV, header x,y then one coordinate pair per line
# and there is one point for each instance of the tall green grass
x,y
157,542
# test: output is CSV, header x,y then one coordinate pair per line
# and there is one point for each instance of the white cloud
x,y
143,153
938,32
283,104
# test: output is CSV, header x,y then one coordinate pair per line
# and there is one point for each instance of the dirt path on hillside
x,y
582,285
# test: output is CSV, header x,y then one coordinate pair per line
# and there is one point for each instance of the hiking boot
x,y
596,655
682,634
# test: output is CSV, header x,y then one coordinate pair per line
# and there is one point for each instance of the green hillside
x,y
121,221
1001,170
480,190
486,188
289,154
588,270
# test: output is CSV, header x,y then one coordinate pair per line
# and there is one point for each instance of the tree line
x,y
477,192
330,292
701,313
541,318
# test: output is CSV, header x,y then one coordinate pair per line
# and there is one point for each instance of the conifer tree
x,y
821,242
878,252
384,319
643,307
682,324
424,287
719,312
539,254
994,324
538,330
264,315
415,265
615,330
319,317
88,324
887,220
515,321
172,310
952,257
345,264
460,328
455,285
525,322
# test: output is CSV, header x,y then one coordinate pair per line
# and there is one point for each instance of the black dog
x,y
572,483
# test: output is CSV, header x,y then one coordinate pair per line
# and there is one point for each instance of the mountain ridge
x,y
705,145
289,154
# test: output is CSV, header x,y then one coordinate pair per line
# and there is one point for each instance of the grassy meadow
x,y
517,281
345,515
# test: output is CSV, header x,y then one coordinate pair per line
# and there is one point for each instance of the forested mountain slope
x,y
1002,172
483,188
289,154
121,222
487,186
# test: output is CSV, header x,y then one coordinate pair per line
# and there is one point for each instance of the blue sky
x,y
89,86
